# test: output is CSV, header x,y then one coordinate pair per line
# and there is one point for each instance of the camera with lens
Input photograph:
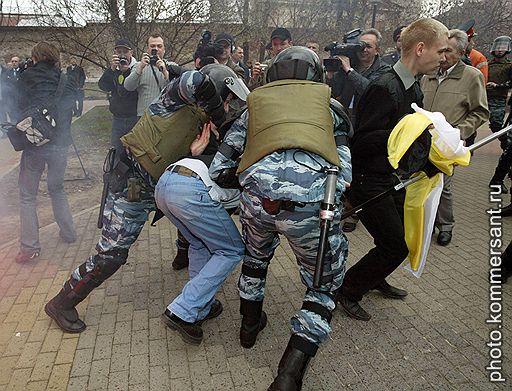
x,y
153,58
123,60
207,51
349,48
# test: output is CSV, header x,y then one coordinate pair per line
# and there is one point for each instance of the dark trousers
x,y
78,107
384,221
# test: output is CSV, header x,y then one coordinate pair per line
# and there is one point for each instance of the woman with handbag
x,y
45,104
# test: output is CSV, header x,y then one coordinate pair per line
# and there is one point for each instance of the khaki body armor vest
x,y
288,114
156,141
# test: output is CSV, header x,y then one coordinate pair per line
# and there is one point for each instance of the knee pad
x,y
253,272
106,264
109,263
318,309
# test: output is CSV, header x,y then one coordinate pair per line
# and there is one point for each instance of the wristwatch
x,y
349,70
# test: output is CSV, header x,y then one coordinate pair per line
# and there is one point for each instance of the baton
x,y
108,167
326,216
403,185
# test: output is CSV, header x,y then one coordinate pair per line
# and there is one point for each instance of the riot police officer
x,y
185,105
500,81
287,136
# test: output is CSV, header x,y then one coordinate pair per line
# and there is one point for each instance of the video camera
x,y
25,64
206,50
350,47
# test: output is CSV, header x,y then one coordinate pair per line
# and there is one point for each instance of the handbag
x,y
38,124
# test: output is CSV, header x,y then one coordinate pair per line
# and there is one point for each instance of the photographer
x,y
280,39
349,83
225,41
122,103
151,74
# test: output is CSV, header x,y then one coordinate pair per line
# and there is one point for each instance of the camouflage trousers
x,y
122,223
496,112
301,227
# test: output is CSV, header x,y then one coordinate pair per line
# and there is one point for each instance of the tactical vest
x,y
156,141
287,114
499,73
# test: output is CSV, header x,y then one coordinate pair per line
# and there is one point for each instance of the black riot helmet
x,y
225,81
296,62
502,44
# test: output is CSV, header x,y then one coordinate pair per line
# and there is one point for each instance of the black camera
x,y
350,47
207,51
123,60
206,37
153,58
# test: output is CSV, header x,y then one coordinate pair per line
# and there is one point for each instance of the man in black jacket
x,y
349,83
381,106
123,103
76,72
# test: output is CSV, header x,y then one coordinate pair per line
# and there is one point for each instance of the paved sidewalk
x,y
433,340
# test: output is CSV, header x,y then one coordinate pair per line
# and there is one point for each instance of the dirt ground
x,y
83,192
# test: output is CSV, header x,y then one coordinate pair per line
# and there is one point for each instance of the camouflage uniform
x,y
123,220
286,175
500,72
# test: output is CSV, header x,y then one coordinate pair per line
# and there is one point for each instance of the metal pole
x,y
326,216
402,185
374,15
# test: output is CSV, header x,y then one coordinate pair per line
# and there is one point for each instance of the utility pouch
x,y
134,187
270,206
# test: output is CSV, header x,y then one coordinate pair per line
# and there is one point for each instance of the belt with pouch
x,y
273,207
183,171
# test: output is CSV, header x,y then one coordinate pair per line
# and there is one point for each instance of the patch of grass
x,y
92,91
93,127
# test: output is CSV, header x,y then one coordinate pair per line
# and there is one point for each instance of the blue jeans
x,y
33,162
216,246
121,126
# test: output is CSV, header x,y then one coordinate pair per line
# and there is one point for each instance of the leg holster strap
x,y
317,309
303,345
252,272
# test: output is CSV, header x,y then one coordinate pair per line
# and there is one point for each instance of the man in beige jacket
x,y
457,91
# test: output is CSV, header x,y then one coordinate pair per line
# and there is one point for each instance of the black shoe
x,y
504,189
24,256
189,332
391,291
352,308
506,211
254,319
181,259
293,365
444,238
215,310
348,227
66,319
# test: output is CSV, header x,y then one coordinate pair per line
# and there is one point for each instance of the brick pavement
x,y
434,340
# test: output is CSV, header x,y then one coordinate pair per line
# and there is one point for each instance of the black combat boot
x,y
62,309
181,259
254,319
293,365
